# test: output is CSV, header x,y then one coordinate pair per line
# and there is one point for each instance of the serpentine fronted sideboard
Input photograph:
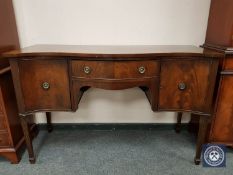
x,y
174,78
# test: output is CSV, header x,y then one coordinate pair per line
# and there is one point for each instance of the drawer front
x,y
2,124
184,85
228,64
222,128
1,103
1,108
114,69
45,84
4,140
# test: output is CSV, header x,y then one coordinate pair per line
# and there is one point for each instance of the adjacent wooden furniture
x,y
219,33
11,135
219,37
174,78
8,30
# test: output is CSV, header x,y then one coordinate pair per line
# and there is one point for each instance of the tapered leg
x,y
202,137
49,124
178,124
27,138
193,124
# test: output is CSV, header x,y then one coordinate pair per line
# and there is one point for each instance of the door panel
x,y
45,84
222,128
184,85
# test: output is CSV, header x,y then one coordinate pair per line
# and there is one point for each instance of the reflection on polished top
x,y
113,51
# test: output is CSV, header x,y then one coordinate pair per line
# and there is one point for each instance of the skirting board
x,y
113,126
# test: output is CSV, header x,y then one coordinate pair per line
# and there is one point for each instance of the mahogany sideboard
x,y
174,78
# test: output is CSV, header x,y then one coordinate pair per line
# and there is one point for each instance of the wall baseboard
x,y
113,126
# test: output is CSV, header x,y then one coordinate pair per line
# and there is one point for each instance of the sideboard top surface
x,y
113,51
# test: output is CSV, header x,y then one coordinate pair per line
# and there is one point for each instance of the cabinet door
x,y
44,84
185,85
222,127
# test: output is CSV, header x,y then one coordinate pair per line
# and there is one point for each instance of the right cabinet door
x,y
185,85
222,127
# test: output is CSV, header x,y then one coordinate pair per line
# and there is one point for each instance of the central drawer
x,y
114,69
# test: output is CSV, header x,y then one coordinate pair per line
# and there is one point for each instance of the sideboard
x,y
174,78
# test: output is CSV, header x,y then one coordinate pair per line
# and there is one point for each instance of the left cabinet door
x,y
44,85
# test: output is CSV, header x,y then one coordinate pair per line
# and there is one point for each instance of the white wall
x,y
112,22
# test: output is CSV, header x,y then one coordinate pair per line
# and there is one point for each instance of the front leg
x,y
49,123
178,124
202,137
27,137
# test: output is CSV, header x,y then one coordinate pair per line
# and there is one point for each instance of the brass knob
x,y
45,85
142,70
87,70
182,86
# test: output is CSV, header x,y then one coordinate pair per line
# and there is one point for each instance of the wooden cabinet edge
x,y
17,84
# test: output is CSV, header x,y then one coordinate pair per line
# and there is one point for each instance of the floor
x,y
114,153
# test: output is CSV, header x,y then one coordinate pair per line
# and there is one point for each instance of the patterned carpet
x,y
82,152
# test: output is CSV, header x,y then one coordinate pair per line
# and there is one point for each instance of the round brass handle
x,y
182,86
45,85
87,70
142,70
